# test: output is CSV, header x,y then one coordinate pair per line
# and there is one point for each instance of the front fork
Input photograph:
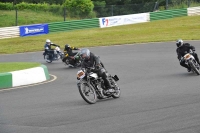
x,y
194,62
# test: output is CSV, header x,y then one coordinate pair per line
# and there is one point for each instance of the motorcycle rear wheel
x,y
88,93
47,59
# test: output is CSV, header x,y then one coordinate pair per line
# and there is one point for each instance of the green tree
x,y
79,8
100,8
36,1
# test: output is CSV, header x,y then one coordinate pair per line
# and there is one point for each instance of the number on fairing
x,y
80,74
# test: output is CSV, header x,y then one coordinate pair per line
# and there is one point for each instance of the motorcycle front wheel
x,y
117,92
194,67
88,93
67,62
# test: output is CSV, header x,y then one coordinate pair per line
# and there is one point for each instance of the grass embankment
x,y
27,17
14,66
186,28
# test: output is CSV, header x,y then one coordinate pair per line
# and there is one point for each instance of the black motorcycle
x,y
72,61
91,86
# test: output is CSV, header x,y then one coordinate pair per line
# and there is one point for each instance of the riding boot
x,y
56,56
109,89
107,83
196,58
184,65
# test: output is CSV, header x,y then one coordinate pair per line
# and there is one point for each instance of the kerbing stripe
x,y
46,72
5,80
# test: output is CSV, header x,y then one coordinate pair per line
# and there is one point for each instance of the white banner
x,y
9,32
123,20
193,11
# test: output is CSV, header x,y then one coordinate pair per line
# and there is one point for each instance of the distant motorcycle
x,y
192,63
91,86
49,57
76,62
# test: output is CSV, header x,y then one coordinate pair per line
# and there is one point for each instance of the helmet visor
x,y
83,55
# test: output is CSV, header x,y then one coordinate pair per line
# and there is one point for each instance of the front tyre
x,y
194,67
67,62
88,93
117,92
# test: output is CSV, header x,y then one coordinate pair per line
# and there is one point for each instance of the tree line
x,y
107,2
101,2
91,8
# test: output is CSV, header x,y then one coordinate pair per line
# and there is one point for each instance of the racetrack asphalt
x,y
157,95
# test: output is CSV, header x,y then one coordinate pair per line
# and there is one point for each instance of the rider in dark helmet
x,y
91,60
68,52
182,49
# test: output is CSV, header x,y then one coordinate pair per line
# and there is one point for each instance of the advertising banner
x,y
32,30
123,20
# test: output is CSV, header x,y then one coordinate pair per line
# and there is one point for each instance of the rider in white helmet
x,y
47,48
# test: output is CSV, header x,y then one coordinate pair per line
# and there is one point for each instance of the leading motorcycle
x,y
49,57
91,86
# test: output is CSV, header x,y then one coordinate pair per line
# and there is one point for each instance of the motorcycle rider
x,y
182,49
47,48
68,52
91,60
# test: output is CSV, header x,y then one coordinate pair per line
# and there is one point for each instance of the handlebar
x,y
88,69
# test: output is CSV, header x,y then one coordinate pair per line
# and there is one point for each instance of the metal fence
x,y
177,4
114,10
63,14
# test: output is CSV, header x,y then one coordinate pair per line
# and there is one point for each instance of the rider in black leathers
x,y
182,49
69,53
91,60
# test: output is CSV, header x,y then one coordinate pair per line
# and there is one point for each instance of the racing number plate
x,y
81,74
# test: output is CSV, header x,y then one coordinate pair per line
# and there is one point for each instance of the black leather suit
x,y
93,61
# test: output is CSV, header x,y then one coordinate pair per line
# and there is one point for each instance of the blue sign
x,y
32,30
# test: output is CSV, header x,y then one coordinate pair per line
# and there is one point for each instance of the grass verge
x,y
26,17
186,28
14,66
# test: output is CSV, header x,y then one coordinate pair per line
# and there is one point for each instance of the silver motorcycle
x,y
91,86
